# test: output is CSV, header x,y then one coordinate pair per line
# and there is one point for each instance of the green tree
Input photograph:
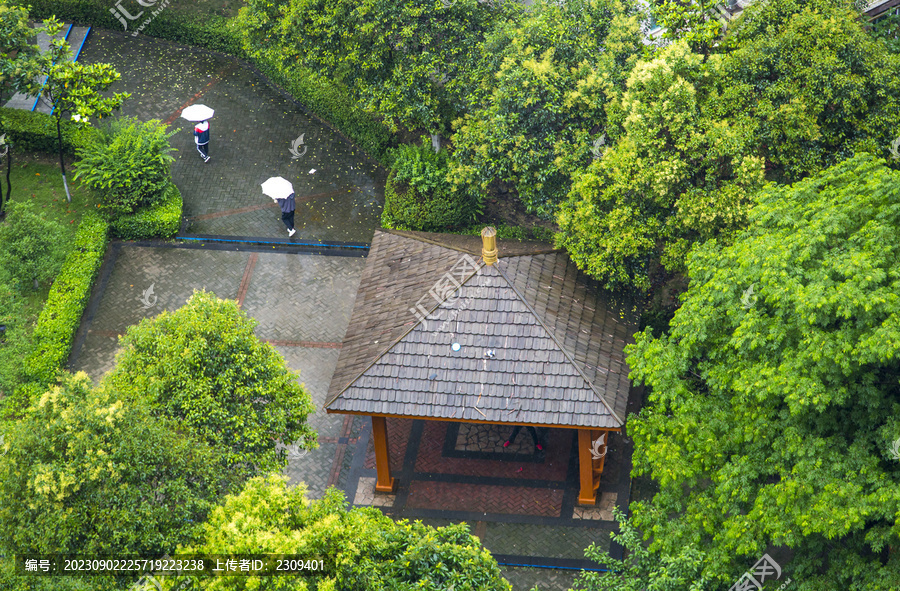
x,y
695,136
699,23
31,248
405,61
16,36
363,549
72,89
16,46
776,396
810,104
538,97
128,164
203,367
86,473
642,570
677,173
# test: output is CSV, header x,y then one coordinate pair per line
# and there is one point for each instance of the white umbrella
x,y
197,113
277,188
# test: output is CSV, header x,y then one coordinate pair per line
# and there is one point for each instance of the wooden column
x,y
385,482
586,495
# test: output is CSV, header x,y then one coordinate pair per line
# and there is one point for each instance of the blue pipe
x,y
319,244
596,570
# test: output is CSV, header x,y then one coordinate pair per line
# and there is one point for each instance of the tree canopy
x,y
776,396
203,367
363,549
794,87
85,472
402,60
538,94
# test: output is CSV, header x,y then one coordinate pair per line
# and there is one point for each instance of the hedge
x,y
517,233
36,132
68,297
162,220
318,94
406,209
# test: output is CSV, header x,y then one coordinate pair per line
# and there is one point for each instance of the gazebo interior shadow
x,y
461,471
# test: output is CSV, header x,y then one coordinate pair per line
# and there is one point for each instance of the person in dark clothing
x,y
287,213
201,138
531,430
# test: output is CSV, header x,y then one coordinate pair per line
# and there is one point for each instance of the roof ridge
x,y
565,352
409,330
416,235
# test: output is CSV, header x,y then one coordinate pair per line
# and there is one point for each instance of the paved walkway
x,y
520,505
75,36
251,138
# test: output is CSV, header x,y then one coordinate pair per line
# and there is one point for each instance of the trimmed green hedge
x,y
317,93
423,200
36,132
518,233
162,220
68,297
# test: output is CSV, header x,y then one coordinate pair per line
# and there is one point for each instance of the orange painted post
x,y
586,496
385,482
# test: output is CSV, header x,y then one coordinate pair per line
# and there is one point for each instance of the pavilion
x,y
452,328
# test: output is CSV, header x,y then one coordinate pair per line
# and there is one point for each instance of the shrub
x,y
418,197
363,549
69,295
128,164
31,247
37,132
203,366
87,472
162,220
14,340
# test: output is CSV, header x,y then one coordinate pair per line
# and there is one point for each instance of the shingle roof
x,y
540,343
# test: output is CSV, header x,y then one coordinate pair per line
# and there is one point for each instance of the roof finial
x,y
489,245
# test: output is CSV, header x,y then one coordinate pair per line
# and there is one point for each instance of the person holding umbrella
x,y
201,138
201,115
287,213
281,190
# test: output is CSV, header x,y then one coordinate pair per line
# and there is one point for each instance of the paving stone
x,y
485,498
545,579
173,273
313,469
603,510
97,355
553,541
300,297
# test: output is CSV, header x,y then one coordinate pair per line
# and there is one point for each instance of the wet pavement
x,y
255,134
302,299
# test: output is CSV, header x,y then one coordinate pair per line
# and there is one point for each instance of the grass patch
x,y
36,178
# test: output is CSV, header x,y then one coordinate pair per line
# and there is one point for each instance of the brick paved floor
x,y
300,301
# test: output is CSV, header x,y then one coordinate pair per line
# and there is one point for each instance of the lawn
x,y
36,178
